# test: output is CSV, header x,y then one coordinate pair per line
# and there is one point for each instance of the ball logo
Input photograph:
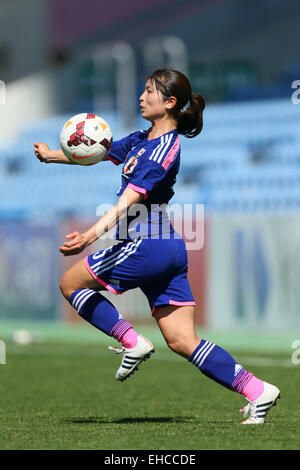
x,y
81,158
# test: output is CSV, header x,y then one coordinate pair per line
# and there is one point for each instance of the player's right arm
x,y
45,155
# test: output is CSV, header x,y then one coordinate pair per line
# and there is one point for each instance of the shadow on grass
x,y
102,420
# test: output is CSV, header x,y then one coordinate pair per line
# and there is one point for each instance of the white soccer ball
x,y
86,139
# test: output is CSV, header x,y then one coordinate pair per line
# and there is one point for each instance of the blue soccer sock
x,y
99,312
219,365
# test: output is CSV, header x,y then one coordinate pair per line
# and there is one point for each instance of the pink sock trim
x,y
120,329
129,339
253,389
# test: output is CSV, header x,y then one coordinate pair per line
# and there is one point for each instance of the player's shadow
x,y
101,420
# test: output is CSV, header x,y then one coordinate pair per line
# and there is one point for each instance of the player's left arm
x,y
78,242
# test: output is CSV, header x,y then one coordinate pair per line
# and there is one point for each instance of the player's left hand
x,y
75,246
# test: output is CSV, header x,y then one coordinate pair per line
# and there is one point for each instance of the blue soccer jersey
x,y
145,258
150,168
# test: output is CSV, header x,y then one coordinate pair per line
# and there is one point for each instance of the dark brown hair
x,y
188,110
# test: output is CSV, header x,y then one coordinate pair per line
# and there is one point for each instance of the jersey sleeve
x,y
120,148
153,168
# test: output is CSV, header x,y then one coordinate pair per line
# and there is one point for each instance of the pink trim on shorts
x,y
103,283
138,189
181,304
171,154
114,160
174,302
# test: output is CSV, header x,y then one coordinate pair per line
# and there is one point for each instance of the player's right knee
x,y
65,285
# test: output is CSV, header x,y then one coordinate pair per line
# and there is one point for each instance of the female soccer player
x,y
150,254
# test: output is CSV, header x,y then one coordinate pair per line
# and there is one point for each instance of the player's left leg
x,y
178,328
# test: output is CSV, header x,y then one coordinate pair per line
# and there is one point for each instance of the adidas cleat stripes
x,y
133,357
259,409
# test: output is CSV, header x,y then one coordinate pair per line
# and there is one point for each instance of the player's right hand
x,y
42,151
76,245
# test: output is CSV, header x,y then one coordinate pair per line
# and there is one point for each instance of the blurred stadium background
x,y
60,57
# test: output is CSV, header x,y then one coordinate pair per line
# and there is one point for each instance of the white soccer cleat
x,y
133,357
258,409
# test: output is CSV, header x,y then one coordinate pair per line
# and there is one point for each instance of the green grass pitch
x,y
63,395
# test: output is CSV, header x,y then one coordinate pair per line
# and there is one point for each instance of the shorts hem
x,y
98,279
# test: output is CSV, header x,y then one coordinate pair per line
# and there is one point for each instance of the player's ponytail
x,y
189,107
190,119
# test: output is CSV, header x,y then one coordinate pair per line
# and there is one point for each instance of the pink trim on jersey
x,y
171,154
138,189
103,283
114,160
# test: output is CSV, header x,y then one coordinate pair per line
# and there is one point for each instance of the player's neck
x,y
161,127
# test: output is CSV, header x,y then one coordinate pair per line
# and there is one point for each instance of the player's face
x,y
152,103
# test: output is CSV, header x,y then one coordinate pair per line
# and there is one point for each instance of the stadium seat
x,y
246,158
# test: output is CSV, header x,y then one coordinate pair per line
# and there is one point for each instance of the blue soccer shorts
x,y
158,267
